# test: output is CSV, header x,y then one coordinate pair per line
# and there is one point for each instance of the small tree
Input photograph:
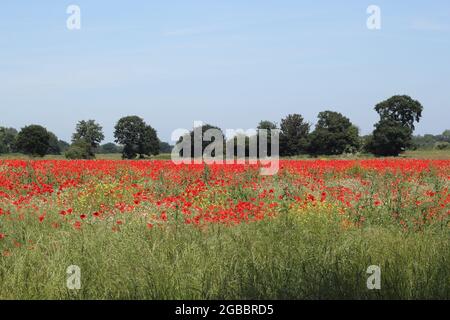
x,y
136,137
80,149
33,140
446,136
294,135
164,147
334,134
443,145
90,132
394,132
109,148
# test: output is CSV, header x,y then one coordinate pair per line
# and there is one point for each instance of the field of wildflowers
x,y
156,230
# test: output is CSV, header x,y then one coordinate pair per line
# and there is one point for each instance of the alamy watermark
x,y
73,22
73,281
254,146
374,20
374,281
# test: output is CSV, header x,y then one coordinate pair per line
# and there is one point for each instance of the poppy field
x,y
156,230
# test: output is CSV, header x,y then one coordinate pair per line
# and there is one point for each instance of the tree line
x,y
132,135
334,134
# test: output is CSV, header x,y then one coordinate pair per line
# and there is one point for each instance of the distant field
x,y
417,154
428,154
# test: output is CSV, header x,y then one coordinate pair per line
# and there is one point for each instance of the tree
x,y
136,137
402,110
238,138
389,139
164,147
7,138
80,149
63,146
54,147
268,126
394,132
90,132
334,134
200,132
33,140
446,136
294,135
150,143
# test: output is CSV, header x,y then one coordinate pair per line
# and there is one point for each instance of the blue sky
x,y
230,63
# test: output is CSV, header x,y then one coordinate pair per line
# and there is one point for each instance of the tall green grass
x,y
293,256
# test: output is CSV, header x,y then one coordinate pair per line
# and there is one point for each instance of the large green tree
x,y
137,137
334,134
394,132
79,149
389,138
294,135
402,110
33,140
90,132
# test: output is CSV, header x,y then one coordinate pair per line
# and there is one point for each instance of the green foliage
x,y
389,139
109,148
393,133
63,146
33,140
54,147
400,109
267,125
90,132
7,139
334,134
137,137
446,135
80,149
429,141
442,145
294,135
150,143
164,147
